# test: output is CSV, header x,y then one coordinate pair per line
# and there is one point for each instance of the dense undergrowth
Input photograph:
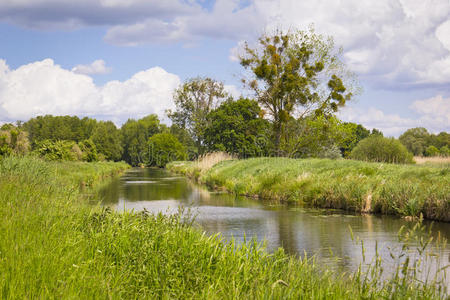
x,y
54,245
406,190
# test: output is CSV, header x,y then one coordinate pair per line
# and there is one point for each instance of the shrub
x,y
164,148
58,150
431,151
444,151
89,151
380,149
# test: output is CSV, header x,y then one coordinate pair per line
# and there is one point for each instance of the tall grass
x,y
54,245
406,190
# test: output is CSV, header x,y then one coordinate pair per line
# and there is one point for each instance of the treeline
x,y
422,143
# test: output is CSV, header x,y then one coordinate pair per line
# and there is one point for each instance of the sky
x,y
120,59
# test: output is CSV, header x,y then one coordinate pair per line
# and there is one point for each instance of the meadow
x,y
53,244
405,190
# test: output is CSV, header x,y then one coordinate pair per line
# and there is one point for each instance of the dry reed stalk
x,y
207,161
433,159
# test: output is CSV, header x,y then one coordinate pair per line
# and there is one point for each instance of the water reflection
x,y
322,232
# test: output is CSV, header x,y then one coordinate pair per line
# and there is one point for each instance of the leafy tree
x,y
164,148
55,128
186,139
415,140
358,133
235,127
193,101
107,140
432,151
135,138
444,151
380,149
88,151
296,71
315,137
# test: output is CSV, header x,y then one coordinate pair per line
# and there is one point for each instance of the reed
x,y
54,245
405,190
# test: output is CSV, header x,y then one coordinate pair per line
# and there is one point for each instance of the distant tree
x,y
56,128
415,140
57,150
186,139
380,149
432,151
297,71
88,151
315,136
107,140
235,127
164,148
193,101
135,136
444,151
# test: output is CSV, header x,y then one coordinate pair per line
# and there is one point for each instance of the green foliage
x,y
55,128
444,151
135,136
194,100
236,127
357,132
164,148
88,150
297,70
54,245
380,149
13,141
186,139
108,140
432,151
342,184
315,136
57,150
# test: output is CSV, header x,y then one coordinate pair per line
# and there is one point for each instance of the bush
x,y
164,148
444,151
380,149
89,151
58,150
431,151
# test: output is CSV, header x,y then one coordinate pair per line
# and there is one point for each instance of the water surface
x,y
324,233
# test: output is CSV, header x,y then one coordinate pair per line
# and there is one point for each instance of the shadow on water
x,y
298,230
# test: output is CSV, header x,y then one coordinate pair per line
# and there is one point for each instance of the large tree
x,y
236,127
296,73
193,101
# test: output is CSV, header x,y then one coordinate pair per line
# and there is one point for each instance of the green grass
x,y
54,245
406,190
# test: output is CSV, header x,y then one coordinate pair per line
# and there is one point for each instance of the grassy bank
x,y
54,245
407,190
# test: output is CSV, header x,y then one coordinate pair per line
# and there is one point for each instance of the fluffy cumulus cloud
x,y
43,87
433,114
392,43
96,67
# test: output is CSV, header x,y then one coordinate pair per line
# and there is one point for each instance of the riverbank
x,y
405,190
54,245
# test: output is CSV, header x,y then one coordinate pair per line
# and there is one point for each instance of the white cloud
x,y
433,114
391,43
96,67
45,88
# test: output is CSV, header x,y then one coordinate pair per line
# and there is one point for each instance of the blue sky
x,y
116,59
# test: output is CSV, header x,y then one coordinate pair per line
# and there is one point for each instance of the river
x,y
323,233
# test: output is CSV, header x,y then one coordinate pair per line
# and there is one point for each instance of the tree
x,y
236,127
164,148
135,138
108,140
193,101
296,72
415,140
432,151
